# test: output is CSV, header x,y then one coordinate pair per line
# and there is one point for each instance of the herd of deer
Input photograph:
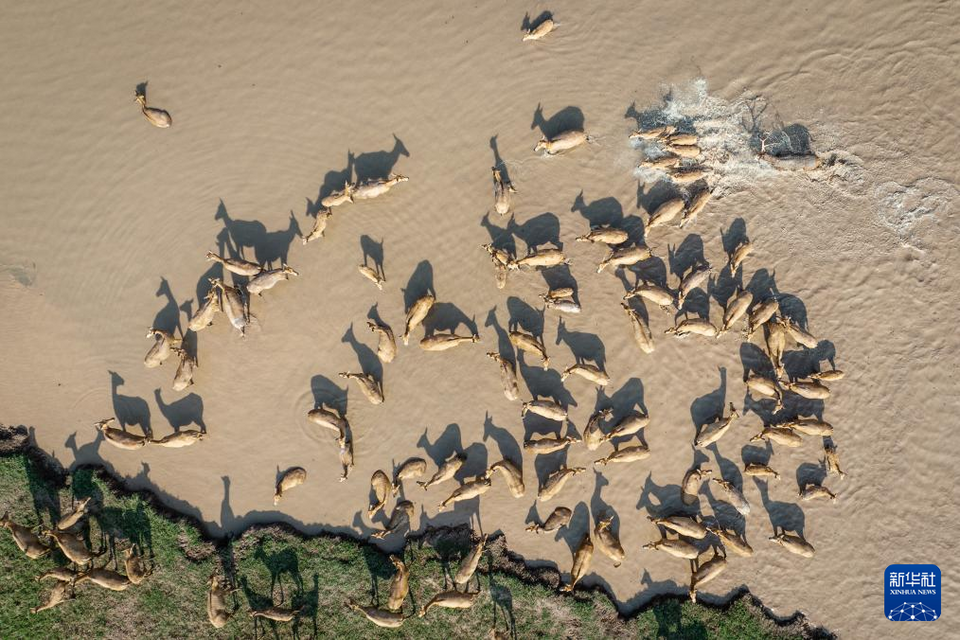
x,y
675,154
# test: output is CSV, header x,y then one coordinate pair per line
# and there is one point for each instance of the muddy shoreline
x,y
15,440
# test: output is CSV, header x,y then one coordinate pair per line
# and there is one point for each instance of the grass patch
x,y
274,565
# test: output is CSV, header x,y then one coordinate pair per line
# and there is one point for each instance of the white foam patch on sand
x,y
723,136
729,135
905,208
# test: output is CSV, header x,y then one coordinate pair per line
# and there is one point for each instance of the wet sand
x,y
106,221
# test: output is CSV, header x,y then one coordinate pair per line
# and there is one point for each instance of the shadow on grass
x,y
671,625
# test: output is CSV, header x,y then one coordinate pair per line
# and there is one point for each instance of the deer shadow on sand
x,y
711,406
755,361
811,473
251,240
598,506
373,252
329,394
763,285
660,501
578,527
545,383
586,347
543,229
757,452
524,317
648,200
609,212
686,256
447,317
560,277
624,401
450,442
801,362
498,162
419,284
653,270
601,212
376,165
784,516
567,119
506,442
129,410
168,318
683,260
501,238
530,23
504,346
369,362
214,271
85,454
183,412
332,181
546,464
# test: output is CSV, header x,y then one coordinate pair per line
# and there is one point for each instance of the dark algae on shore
x,y
317,575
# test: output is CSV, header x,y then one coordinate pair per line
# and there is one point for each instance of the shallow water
x,y
106,221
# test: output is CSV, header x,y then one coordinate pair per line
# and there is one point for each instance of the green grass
x,y
273,565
